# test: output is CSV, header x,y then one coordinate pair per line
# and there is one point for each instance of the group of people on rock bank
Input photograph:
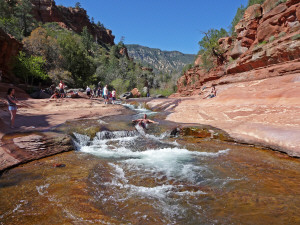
x,y
109,96
97,92
105,93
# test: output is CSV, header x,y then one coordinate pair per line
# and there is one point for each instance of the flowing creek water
x,y
122,175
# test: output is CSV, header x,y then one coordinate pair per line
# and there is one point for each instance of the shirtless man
x,y
61,89
143,122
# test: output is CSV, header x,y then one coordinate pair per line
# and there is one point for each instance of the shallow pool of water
x,y
120,175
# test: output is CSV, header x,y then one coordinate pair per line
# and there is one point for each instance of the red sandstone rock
x,y
238,50
225,43
124,52
268,5
71,18
135,92
9,48
251,106
261,42
198,60
253,12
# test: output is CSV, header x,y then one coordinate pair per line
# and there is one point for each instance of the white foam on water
x,y
42,189
175,162
101,122
81,140
139,109
171,163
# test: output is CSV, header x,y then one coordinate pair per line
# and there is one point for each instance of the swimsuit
x,y
11,105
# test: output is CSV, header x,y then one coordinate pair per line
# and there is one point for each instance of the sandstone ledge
x,y
35,118
25,147
263,112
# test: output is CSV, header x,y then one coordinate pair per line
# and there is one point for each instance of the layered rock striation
x,y
71,18
258,86
268,34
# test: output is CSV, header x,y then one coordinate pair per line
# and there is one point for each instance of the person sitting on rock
x,y
144,122
55,95
213,93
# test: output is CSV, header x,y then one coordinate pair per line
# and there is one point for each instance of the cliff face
x,y
268,35
9,48
70,18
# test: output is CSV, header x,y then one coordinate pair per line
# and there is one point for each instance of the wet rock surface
x,y
120,172
25,147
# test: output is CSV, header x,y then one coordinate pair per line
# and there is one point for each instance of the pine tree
x,y
87,39
23,13
77,5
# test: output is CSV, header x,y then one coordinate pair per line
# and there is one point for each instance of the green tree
x,y
23,13
30,68
40,43
76,60
238,16
121,85
77,5
210,49
16,18
87,40
252,2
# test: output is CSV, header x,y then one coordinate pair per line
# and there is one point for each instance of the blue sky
x,y
165,24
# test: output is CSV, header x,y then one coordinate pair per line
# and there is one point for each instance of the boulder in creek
x,y
126,95
135,92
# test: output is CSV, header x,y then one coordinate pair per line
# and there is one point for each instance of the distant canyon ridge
x,y
161,61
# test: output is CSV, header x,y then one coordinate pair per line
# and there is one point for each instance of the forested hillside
x,y
160,61
56,47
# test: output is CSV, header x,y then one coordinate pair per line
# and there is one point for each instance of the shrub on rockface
x,y
210,49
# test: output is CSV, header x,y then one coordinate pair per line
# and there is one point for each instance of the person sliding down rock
x,y
144,122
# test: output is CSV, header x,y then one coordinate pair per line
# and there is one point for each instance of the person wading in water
x,y
144,122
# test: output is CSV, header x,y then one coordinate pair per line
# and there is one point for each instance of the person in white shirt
x,y
88,91
105,92
61,89
113,95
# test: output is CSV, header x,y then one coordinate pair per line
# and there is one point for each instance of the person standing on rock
x,y
88,91
105,94
61,89
113,95
99,92
12,105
